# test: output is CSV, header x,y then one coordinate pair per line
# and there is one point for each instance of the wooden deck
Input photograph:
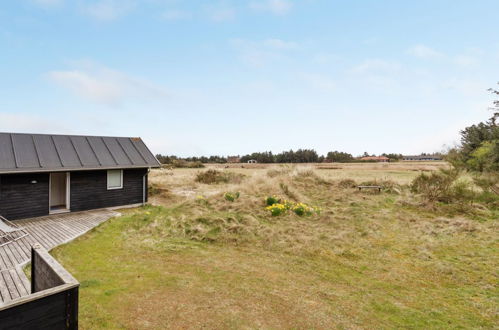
x,y
49,232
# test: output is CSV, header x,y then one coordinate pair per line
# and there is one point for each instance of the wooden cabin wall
x,y
89,189
24,195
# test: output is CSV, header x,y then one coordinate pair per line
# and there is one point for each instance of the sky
x,y
232,77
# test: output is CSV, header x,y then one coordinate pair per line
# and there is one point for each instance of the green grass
x,y
368,261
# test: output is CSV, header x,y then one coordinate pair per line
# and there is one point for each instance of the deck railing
x,y
53,302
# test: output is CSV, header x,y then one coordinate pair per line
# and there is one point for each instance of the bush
x,y
347,183
277,209
435,187
302,209
489,182
271,200
180,163
215,177
154,190
231,197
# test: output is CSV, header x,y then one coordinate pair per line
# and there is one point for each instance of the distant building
x,y
252,161
380,159
233,159
422,158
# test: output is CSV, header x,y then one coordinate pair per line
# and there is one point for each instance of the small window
x,y
114,179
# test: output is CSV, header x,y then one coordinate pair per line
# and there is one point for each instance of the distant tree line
x,y
267,157
298,156
164,159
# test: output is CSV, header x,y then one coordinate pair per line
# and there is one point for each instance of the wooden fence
x,y
53,302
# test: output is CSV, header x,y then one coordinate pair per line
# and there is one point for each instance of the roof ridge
x,y
77,135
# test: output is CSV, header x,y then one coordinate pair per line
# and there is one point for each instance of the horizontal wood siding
x,y
89,189
53,302
19,198
51,312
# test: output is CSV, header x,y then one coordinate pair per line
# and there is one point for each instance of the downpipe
x,y
144,187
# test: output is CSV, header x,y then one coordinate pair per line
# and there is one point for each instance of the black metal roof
x,y
42,152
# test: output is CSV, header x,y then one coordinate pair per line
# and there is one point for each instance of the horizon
x,y
236,77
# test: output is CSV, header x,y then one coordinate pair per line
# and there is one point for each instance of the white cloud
x,y
376,65
320,82
48,3
260,53
466,60
465,87
280,44
108,10
325,58
425,52
30,123
278,7
106,86
223,14
176,15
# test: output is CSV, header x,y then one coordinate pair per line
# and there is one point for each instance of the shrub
x,y
347,183
154,190
271,200
488,181
489,198
435,186
302,209
461,192
272,173
215,176
277,209
180,163
231,196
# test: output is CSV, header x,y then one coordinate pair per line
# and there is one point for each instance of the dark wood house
x,y
46,174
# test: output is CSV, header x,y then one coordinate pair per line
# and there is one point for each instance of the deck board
x,y
49,231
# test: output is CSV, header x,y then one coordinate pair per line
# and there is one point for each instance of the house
x,y
46,174
381,159
233,159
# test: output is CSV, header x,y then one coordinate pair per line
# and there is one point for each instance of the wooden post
x,y
72,309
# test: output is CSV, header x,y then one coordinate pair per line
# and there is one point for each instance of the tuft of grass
x,y
215,177
347,183
287,191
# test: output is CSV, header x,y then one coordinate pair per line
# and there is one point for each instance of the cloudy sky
x,y
230,77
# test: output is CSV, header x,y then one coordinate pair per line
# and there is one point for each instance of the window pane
x,y
114,179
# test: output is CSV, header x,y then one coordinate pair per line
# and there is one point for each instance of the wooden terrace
x,y
49,232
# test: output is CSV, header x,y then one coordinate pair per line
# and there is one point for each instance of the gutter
x,y
73,169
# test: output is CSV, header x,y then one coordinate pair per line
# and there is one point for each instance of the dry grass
x,y
368,260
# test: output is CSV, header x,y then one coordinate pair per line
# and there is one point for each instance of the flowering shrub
x,y
231,196
271,200
276,209
276,206
302,209
200,199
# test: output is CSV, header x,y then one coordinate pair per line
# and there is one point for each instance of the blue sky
x,y
231,77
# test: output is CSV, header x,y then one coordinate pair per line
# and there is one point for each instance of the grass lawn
x,y
195,260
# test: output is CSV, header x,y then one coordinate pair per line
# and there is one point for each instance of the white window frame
x,y
121,180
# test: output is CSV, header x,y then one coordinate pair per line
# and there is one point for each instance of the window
x,y
114,179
